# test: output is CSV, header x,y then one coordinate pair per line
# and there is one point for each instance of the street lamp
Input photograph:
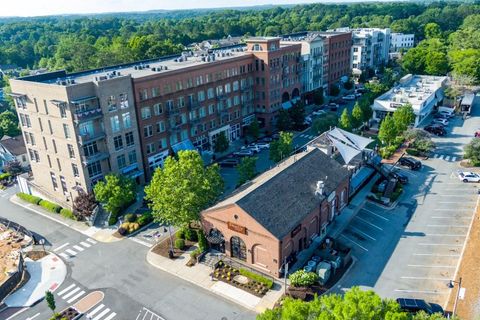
x,y
451,285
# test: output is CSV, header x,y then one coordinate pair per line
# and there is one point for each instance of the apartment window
x,y
150,148
235,86
147,131
236,100
63,110
58,164
146,113
112,103
27,137
64,185
160,126
129,141
94,169
211,109
212,124
183,117
210,93
143,94
181,102
54,181
157,109
45,143
66,131
127,121
228,88
40,124
115,123
201,96
37,156
155,92
45,105
202,112
219,90
75,170
121,162
123,100
118,143
163,143
132,157
71,152
173,139
54,145
27,120
21,102
184,135
90,149
169,104
49,161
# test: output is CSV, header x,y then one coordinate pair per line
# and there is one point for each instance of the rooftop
x,y
15,145
282,197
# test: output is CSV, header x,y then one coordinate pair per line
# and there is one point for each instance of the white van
x,y
446,109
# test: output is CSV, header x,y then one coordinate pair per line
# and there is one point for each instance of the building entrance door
x,y
332,208
239,250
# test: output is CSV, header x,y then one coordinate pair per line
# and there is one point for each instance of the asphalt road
x,y
414,250
132,287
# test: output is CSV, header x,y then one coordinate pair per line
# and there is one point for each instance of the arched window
x,y
238,248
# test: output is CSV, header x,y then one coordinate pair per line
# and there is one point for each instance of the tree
x,y
323,124
472,151
403,117
282,148
254,129
222,143
348,85
83,205
115,192
9,124
318,96
357,115
334,91
180,190
432,30
50,300
284,123
297,115
13,167
355,304
387,131
345,120
465,62
247,169
436,63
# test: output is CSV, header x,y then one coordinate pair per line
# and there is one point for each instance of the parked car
x,y
318,113
265,139
308,120
243,153
228,163
447,109
411,163
436,129
349,97
399,176
446,114
360,90
340,101
417,305
467,176
253,147
263,145
333,106
441,121
440,116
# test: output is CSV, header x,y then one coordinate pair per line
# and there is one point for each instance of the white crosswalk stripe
x,y
454,159
75,297
111,316
91,241
66,289
86,245
101,314
94,311
71,293
445,157
71,252
78,248
64,255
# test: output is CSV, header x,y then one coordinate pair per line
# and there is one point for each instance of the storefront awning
x,y
214,239
287,105
348,144
184,145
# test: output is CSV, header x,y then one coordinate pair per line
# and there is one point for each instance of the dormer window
x,y
257,47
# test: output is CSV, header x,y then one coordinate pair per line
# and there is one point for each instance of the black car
x,y
417,305
400,177
413,164
438,130
228,163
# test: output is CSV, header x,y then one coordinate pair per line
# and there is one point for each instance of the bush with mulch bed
x,y
164,247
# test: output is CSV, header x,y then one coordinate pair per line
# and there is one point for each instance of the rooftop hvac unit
x,y
147,66
165,67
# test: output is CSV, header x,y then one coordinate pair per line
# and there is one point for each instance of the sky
x,y
25,8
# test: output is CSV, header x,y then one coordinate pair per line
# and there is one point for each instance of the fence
x,y
18,228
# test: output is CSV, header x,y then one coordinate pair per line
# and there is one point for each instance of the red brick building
x,y
272,218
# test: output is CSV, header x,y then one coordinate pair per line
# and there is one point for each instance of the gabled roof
x,y
15,145
281,198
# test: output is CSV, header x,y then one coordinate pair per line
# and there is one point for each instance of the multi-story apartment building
x,y
77,128
128,118
399,41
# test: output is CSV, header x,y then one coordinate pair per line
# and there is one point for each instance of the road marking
x,y
435,155
440,157
71,293
354,242
445,226
111,316
375,226
457,201
33,317
62,246
75,297
16,313
454,159
454,209
366,235
420,291
91,241
436,255
146,244
101,314
429,266
445,235
71,252
425,278
440,244
66,256
86,245
447,158
78,248
449,217
66,289
452,195
91,314
375,214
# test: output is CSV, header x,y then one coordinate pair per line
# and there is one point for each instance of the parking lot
x,y
414,249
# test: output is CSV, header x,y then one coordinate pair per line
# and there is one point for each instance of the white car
x,y
446,114
466,176
441,121
318,113
349,97
252,147
263,145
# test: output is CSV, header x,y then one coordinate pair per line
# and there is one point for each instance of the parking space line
x,y
436,255
429,266
375,214
446,226
375,226
420,291
445,235
354,242
440,244
425,278
449,217
454,209
450,202
363,233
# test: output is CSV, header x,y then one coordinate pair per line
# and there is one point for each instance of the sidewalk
x,y
99,234
200,276
46,274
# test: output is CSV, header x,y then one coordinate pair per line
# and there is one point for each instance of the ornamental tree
x,y
357,115
221,144
346,120
183,188
403,117
247,169
282,148
115,192
472,151
83,205
387,131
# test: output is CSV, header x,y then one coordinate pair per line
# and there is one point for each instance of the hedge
x,y
53,207
145,219
67,214
256,277
5,176
180,244
29,198
191,235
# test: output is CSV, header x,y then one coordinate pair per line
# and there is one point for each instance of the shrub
x,y
202,240
5,176
130,226
256,277
113,219
180,244
413,152
29,198
67,214
131,217
180,234
194,254
122,231
145,219
53,207
190,235
301,278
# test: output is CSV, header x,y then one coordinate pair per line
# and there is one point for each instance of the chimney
x,y
320,186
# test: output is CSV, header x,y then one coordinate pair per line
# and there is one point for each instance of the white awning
x,y
347,152
348,144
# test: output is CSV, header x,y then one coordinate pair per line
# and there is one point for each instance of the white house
x,y
422,92
11,149
399,41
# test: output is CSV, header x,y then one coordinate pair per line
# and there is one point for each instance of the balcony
x,y
87,138
85,115
94,157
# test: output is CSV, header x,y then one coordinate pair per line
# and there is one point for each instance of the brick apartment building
x,y
127,118
278,214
